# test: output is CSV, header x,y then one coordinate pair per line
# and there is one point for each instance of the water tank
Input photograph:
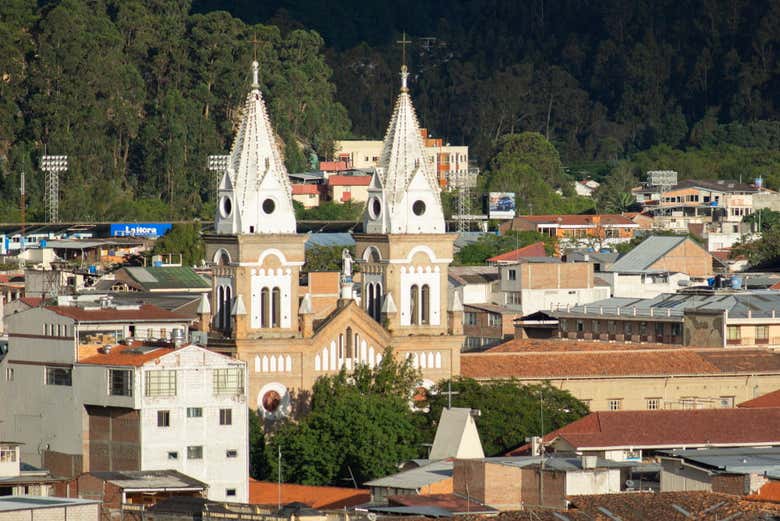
x,y
177,337
736,282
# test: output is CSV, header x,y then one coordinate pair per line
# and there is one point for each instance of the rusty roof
x,y
532,250
134,355
767,400
112,314
527,345
267,493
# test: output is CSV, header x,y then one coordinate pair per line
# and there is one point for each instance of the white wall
x,y
643,286
593,481
534,300
195,388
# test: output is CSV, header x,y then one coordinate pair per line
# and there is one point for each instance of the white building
x,y
644,284
103,389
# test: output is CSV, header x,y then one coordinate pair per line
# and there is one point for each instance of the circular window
x,y
375,207
269,206
271,401
418,208
225,206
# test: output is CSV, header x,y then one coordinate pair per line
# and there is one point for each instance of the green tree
x,y
183,239
324,258
510,412
258,464
329,211
763,252
360,427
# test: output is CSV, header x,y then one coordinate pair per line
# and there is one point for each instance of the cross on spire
x,y
404,71
254,41
255,64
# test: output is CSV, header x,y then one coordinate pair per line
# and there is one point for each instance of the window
x,y
195,452
659,329
425,304
160,383
9,374
627,328
469,318
494,319
265,305
46,329
226,416
231,453
688,403
726,402
194,412
615,404
173,455
653,404
276,307
595,327
513,298
163,418
762,334
643,328
120,382
59,376
564,325
611,327
676,329
415,305
580,326
734,334
230,492
7,454
229,380
512,274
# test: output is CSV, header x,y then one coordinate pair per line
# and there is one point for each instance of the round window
x,y
271,401
225,206
269,206
375,208
418,207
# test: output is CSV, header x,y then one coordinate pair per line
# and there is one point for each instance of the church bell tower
x,y
255,250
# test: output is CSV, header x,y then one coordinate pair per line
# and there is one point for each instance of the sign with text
x,y
139,229
501,205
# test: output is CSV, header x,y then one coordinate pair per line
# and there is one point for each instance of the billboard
x,y
139,229
662,177
501,205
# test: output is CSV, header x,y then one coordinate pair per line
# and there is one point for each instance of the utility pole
x,y
279,477
22,209
53,165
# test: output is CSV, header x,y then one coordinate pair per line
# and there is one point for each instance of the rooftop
x,y
616,362
462,275
167,278
650,251
133,355
267,493
349,180
743,460
118,314
535,345
151,479
450,502
416,478
10,503
662,429
720,185
590,221
532,250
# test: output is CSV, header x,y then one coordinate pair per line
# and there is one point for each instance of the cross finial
x,y
404,71
254,41
255,64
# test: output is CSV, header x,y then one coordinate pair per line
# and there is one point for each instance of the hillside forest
x,y
139,92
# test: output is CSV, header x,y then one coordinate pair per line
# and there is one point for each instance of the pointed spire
x,y
259,200
239,309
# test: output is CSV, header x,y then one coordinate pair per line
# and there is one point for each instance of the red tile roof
x,y
768,400
333,166
557,345
267,493
670,428
580,220
121,355
32,301
594,364
532,250
302,189
770,491
349,180
776,285
143,312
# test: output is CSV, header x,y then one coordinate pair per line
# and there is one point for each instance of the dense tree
x,y
510,412
184,240
324,258
763,252
360,427
491,245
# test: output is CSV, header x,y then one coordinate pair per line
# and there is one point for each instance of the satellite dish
x,y
629,483
371,516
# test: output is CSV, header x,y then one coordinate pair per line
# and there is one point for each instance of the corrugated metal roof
x,y
316,240
168,277
647,253
416,478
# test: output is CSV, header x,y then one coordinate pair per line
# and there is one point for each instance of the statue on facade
x,y
346,264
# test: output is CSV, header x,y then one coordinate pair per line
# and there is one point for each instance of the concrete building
x,y
595,231
306,194
259,311
21,479
116,490
616,376
348,188
105,400
586,187
445,160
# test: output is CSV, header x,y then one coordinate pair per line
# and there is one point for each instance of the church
x,y
397,298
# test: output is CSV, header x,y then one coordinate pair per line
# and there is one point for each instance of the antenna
x,y
22,208
53,165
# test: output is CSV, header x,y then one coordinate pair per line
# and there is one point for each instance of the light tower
x,y
53,165
218,165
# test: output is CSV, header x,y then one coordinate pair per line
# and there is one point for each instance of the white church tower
x,y
254,193
404,195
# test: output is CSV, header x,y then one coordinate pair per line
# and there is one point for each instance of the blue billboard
x,y
139,229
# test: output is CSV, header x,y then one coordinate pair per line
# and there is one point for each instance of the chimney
x,y
455,315
306,316
204,313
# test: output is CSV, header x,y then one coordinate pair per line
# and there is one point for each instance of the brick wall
x,y
554,487
489,483
734,484
70,513
114,439
537,275
61,464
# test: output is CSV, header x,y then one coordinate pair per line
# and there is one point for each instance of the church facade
x,y
399,299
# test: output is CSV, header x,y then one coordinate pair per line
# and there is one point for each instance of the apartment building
x,y
114,388
572,231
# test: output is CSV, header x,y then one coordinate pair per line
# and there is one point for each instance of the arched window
x,y
264,308
415,305
341,346
370,299
220,304
426,304
378,302
226,309
350,349
276,307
